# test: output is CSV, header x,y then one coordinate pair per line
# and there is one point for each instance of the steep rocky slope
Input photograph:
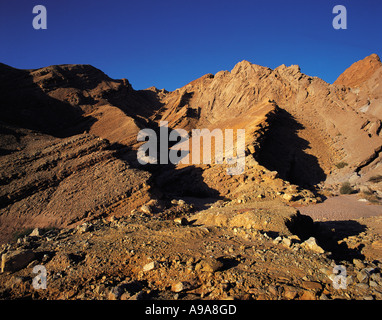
x,y
316,125
360,72
68,140
362,84
70,99
52,182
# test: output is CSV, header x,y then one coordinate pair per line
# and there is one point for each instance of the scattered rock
x,y
277,217
145,209
308,295
85,227
326,271
14,281
363,276
181,202
60,261
211,265
373,284
180,286
125,296
190,261
288,197
312,285
324,297
16,260
116,292
358,264
35,233
311,244
290,292
287,242
362,286
277,240
273,290
150,266
181,221
377,277
138,296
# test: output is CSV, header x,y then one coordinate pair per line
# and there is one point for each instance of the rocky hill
x,y
68,162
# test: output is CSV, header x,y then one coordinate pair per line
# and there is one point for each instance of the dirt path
x,y
344,207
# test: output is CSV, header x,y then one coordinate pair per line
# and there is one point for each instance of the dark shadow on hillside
x,y
26,104
173,182
329,233
284,151
185,182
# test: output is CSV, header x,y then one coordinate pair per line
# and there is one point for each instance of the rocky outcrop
x,y
51,182
359,72
64,100
317,125
274,217
63,124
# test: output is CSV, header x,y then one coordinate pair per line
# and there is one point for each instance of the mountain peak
x,y
244,63
240,66
374,56
360,71
247,67
293,69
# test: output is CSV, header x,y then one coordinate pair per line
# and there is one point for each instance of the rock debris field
x,y
217,253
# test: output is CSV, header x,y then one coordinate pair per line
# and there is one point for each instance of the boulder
x,y
181,221
16,260
35,233
311,244
180,286
265,216
211,265
150,266
145,209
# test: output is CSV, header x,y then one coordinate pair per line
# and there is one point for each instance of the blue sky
x,y
170,43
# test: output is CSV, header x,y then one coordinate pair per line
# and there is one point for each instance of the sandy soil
x,y
344,207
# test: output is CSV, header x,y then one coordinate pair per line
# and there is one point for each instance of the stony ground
x,y
344,207
144,256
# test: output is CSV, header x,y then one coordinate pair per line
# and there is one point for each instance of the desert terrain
x,y
75,199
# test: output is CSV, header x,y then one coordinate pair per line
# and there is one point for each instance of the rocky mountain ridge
x,y
68,166
298,128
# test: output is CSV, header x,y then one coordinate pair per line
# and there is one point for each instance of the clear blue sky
x,y
170,43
